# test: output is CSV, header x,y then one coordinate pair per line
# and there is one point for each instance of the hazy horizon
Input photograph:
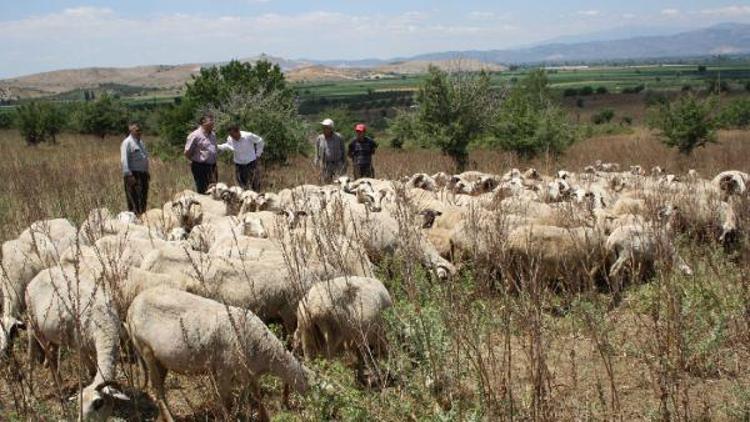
x,y
53,35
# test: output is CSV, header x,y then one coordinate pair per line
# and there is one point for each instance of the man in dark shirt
x,y
361,150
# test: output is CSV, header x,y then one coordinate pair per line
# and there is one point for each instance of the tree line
x,y
451,111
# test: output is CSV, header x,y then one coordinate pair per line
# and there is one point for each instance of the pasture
x,y
672,346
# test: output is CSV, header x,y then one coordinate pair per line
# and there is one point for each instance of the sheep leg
x,y
157,374
622,259
255,391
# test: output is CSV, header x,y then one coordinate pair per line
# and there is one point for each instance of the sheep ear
x,y
301,213
115,393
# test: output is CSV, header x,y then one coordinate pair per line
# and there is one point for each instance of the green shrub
x,y
686,123
454,111
634,89
586,91
39,122
101,117
602,90
6,119
736,114
570,92
604,116
219,88
530,123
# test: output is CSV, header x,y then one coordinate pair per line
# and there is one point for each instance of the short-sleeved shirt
x,y
361,151
201,146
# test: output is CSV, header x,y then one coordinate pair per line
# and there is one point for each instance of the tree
x,y
686,123
453,110
272,116
404,129
530,123
39,122
101,117
217,88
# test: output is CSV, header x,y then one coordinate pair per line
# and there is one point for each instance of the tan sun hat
x,y
327,122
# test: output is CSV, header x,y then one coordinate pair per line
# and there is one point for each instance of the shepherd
x,y
361,150
330,153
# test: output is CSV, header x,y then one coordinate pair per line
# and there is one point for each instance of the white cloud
x,y
588,13
729,11
87,36
629,16
670,12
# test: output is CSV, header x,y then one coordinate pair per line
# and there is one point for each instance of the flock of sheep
x,y
193,284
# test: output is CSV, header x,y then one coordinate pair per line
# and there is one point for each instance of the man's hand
x,y
130,180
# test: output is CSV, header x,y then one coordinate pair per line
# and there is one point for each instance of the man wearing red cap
x,y
361,150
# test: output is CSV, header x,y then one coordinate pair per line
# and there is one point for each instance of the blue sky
x,y
47,35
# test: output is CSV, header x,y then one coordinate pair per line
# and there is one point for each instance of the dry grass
x,y
674,348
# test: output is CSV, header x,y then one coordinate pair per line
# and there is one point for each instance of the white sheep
x,y
38,247
344,313
195,335
60,300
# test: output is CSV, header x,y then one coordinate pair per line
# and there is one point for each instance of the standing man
x,y
330,155
361,150
200,149
247,148
134,160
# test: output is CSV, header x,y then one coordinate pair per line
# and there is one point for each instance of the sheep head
x,y
97,402
9,328
428,217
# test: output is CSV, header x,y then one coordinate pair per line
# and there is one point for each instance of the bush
x,y
6,119
570,92
272,116
686,123
604,116
529,123
404,129
715,86
586,91
218,88
602,90
101,117
736,114
39,122
747,86
634,89
453,111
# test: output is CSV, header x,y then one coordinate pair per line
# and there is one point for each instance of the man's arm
x,y
226,146
317,159
124,159
351,150
374,146
259,145
189,145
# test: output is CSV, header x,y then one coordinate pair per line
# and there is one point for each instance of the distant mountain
x,y
728,38
612,34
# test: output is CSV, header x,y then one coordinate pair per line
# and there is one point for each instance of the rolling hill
x,y
724,39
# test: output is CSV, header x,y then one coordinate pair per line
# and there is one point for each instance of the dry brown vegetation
x,y
674,348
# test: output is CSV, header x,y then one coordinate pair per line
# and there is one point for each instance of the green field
x,y
614,78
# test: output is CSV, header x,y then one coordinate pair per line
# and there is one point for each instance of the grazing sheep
x,y
571,256
638,245
342,314
58,301
38,247
196,335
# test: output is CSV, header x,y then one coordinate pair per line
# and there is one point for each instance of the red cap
x,y
360,128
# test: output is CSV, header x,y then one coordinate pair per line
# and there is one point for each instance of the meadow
x,y
675,347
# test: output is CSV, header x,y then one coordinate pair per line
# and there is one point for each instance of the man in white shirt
x,y
134,161
247,148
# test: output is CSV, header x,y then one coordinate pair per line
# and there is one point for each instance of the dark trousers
x,y
246,175
137,193
204,174
364,171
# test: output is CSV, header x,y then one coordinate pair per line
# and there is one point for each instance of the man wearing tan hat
x,y
330,154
